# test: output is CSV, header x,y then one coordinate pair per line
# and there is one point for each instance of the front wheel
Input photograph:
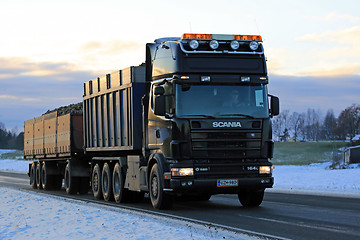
x,y
159,198
251,198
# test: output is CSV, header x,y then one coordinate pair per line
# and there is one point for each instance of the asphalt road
x,y
290,216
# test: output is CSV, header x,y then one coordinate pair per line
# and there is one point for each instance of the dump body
x,y
51,136
113,111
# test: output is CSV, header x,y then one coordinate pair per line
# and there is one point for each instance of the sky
x,y
48,49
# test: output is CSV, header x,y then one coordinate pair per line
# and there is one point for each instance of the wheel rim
x,y
154,186
96,182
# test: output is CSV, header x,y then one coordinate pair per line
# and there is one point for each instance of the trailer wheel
x,y
38,176
33,175
96,182
159,198
106,181
251,198
46,179
121,194
70,182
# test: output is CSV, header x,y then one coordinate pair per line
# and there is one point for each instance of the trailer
x,y
194,120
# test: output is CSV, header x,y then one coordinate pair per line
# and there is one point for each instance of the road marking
x,y
302,224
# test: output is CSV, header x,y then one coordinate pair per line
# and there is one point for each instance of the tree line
x,y
10,139
311,126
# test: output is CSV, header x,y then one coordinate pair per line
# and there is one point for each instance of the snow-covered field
x,y
37,216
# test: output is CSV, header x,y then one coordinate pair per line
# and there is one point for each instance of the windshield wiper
x,y
237,114
200,115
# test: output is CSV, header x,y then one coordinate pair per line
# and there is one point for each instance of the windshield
x,y
222,101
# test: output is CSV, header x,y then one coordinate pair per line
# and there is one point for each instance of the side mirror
x,y
159,105
275,106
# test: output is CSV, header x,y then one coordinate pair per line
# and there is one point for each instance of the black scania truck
x,y
194,120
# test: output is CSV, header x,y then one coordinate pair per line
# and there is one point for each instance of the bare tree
x,y
297,121
280,123
349,122
329,125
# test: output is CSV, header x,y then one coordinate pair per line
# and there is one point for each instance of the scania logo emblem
x,y
226,124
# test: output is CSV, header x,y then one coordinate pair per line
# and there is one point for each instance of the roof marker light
x,y
196,36
248,37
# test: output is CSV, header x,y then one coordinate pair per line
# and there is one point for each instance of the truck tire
x,y
38,176
70,182
251,198
106,182
46,179
33,175
96,182
121,194
159,198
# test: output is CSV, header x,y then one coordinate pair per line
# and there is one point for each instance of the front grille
x,y
225,143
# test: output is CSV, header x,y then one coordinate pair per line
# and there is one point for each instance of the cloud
x,y
12,67
110,47
25,93
334,16
344,36
300,93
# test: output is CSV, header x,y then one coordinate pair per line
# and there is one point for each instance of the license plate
x,y
227,183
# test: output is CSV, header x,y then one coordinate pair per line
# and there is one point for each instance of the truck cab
x,y
209,116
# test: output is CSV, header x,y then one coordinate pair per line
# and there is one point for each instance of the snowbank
x,y
317,179
39,216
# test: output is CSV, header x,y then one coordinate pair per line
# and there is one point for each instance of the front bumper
x,y
211,185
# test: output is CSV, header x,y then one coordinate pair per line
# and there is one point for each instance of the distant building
x,y
352,155
356,140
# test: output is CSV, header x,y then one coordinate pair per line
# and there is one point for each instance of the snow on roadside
x,y
39,216
317,179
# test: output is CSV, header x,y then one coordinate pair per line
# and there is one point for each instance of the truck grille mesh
x,y
225,144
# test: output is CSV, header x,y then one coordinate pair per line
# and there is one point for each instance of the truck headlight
x,y
182,172
265,170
